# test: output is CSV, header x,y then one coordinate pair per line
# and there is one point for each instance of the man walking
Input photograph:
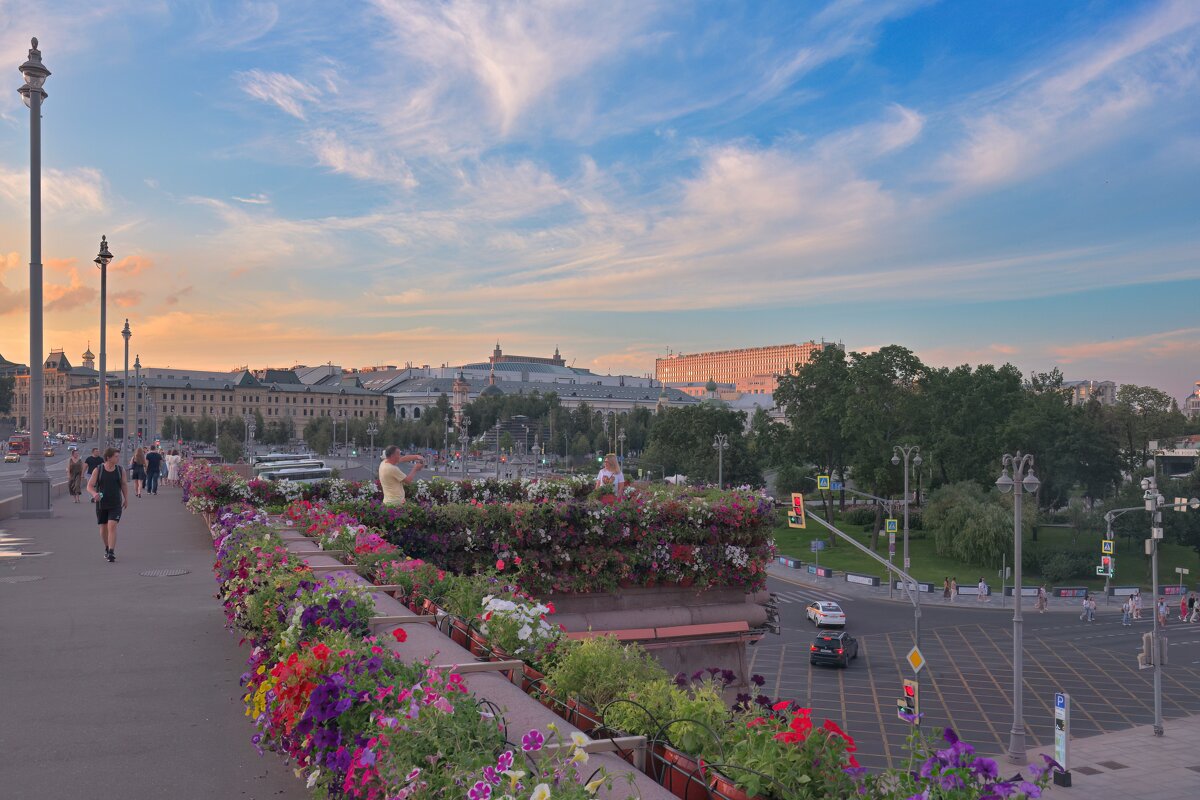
x,y
392,479
90,463
110,493
154,462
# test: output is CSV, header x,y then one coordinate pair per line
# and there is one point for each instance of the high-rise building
x,y
1103,392
749,369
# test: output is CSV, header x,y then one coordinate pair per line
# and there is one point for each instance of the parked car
x,y
825,612
833,647
11,458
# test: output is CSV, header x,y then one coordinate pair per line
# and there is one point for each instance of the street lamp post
x,y
1022,480
137,400
125,334
1154,501
906,451
332,435
372,430
35,483
621,444
720,442
102,261
463,440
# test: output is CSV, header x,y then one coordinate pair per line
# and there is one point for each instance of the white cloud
x,y
82,189
290,94
255,199
360,161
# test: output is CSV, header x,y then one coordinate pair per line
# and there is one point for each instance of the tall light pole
x,y
346,438
35,483
1154,501
464,439
720,442
372,430
125,334
1022,480
906,451
621,444
102,261
137,400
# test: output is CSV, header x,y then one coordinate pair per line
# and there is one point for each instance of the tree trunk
x,y
875,529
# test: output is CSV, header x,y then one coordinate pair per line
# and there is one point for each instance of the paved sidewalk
x,y
1134,763
118,685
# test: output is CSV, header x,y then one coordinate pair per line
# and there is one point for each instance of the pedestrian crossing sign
x,y
823,483
1108,547
892,527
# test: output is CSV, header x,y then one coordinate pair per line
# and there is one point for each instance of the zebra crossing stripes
x,y
804,598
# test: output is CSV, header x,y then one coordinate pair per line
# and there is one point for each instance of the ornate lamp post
x,y
102,261
720,442
372,430
906,451
1022,480
35,483
464,439
621,444
125,334
137,412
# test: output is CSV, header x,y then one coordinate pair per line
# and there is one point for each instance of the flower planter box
x,y
679,773
582,716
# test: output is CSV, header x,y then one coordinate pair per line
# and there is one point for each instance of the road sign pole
x,y
1062,737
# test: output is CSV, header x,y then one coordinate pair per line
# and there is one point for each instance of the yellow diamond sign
x,y
915,659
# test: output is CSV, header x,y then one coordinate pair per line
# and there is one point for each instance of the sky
x,y
385,181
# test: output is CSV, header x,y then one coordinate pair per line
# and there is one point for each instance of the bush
x,y
601,669
860,515
791,478
1060,567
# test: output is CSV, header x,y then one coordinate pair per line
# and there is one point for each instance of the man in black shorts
x,y
154,462
110,492
90,463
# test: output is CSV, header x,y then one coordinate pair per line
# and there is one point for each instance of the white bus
x,y
275,458
297,475
298,463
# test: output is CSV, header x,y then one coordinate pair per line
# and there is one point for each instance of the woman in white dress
x,y
611,474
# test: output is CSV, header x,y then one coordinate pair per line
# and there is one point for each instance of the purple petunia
x,y
532,741
480,791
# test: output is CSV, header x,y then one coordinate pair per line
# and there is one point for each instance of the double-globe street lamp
x,y
35,483
720,442
1022,480
125,334
372,431
906,451
102,262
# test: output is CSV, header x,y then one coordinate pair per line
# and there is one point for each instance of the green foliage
x,y
791,478
1059,566
229,447
682,442
7,386
971,524
318,435
601,669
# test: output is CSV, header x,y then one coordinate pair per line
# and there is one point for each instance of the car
x,y
11,458
825,612
72,447
833,647
48,452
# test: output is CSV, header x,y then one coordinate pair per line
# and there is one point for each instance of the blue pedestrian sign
x,y
816,545
823,483
892,526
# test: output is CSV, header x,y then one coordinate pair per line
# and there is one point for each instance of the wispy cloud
x,y
74,295
78,190
128,298
256,199
1179,343
290,94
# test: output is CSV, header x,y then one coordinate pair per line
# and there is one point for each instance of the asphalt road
x,y
56,466
967,682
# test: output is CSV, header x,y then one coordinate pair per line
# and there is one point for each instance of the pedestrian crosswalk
x,y
804,597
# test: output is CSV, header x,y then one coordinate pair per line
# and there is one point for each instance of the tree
x,y
963,417
506,441
318,435
1142,414
7,386
971,524
814,401
681,440
205,429
229,447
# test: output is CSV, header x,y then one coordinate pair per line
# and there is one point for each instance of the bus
x,y
275,458
274,466
298,475
19,443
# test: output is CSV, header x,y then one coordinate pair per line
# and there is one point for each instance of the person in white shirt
x,y
392,479
982,595
611,474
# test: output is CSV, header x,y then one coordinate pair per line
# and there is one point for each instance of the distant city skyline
x,y
391,181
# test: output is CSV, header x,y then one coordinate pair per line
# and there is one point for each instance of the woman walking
x,y
137,470
946,589
110,492
75,475
173,461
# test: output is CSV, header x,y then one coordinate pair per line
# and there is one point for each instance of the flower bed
x,y
360,723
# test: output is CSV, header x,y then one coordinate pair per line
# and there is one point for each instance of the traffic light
x,y
908,707
796,518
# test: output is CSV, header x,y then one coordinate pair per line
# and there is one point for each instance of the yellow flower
x,y
541,792
514,776
580,756
578,739
592,787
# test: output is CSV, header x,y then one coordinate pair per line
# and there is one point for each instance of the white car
x,y
823,612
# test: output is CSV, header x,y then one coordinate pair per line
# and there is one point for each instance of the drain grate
x,y
1087,771
21,578
163,573
1112,764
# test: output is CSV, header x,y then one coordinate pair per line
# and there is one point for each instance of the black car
x,y
833,647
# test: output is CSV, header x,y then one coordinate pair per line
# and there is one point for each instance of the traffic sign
x,y
1183,570
823,483
1108,547
1062,737
915,659
891,525
816,545
835,486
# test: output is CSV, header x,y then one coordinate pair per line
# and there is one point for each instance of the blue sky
x,y
391,181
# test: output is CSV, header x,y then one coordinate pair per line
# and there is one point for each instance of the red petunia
x,y
400,634
321,651
500,564
781,705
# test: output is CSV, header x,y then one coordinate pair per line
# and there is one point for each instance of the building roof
x,y
580,391
245,380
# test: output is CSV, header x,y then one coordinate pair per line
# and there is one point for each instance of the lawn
x,y
1133,567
